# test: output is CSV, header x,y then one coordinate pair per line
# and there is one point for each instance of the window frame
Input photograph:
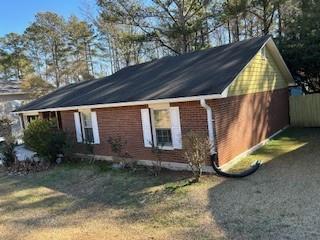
x,y
83,128
53,116
31,118
27,116
153,128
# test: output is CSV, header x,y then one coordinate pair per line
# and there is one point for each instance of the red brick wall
x,y
126,123
244,121
241,123
67,120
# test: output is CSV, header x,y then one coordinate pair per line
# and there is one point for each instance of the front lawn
x,y
96,202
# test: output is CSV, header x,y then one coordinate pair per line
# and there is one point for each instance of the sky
x,y
16,15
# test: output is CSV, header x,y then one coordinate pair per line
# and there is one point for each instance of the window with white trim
x,y
162,127
31,118
28,118
86,125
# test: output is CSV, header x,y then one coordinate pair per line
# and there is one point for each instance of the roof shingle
x,y
198,73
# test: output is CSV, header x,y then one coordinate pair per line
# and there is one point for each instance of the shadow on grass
x,y
280,201
289,140
70,188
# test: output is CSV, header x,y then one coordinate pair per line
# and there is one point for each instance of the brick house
x,y
237,94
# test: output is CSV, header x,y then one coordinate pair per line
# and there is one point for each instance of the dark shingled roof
x,y
198,73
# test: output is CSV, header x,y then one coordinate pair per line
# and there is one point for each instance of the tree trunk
x,y
55,64
237,28
229,32
279,22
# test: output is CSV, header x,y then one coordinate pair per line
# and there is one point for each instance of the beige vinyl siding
x,y
261,74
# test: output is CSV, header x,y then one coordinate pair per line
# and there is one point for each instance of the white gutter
x,y
210,124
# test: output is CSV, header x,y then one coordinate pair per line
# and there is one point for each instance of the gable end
x,y
265,72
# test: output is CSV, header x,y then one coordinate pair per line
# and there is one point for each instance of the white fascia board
x,y
278,57
30,113
124,104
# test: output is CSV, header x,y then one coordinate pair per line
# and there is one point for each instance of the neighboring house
x,y
236,94
11,97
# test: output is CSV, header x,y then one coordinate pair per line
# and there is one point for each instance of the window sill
x,y
166,148
90,143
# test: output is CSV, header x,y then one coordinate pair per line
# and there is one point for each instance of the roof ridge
x,y
198,73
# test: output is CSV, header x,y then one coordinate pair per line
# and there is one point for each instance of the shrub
x,y
5,127
7,150
43,137
197,152
68,148
89,149
156,167
7,146
118,146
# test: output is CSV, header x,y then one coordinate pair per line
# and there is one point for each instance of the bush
x,y
118,146
68,149
7,150
43,137
197,152
156,167
89,151
5,127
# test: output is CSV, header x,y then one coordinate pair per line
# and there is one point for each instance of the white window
x,y
31,118
86,126
161,127
28,118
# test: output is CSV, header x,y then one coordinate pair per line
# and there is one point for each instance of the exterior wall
x,y
126,123
262,74
241,122
244,121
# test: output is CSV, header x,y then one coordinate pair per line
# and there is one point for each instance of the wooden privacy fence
x,y
305,110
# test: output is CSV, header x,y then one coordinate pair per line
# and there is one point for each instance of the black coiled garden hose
x,y
242,174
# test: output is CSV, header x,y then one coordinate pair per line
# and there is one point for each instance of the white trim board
x,y
32,113
227,166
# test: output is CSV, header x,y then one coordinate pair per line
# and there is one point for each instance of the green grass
x,y
287,141
93,201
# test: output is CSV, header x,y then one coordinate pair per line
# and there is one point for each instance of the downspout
x,y
210,125
213,151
